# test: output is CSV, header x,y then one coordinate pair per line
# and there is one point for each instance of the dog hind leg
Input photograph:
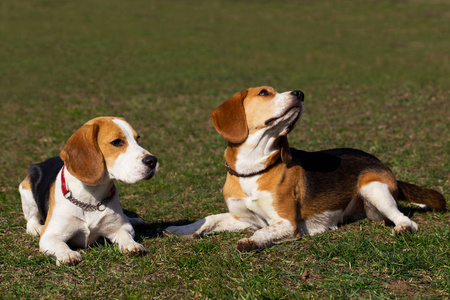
x,y
30,209
380,203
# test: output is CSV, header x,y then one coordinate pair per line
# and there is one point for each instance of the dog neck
x,y
256,154
90,194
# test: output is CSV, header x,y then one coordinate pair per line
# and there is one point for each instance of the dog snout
x,y
298,94
150,161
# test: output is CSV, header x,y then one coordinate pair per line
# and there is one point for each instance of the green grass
x,y
375,75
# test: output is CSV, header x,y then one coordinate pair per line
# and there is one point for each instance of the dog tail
x,y
420,195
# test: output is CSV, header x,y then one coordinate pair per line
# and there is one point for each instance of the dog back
x,y
42,175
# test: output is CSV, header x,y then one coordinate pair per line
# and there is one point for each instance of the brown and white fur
x,y
281,193
101,151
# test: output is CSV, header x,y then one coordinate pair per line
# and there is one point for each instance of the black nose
x,y
299,94
150,161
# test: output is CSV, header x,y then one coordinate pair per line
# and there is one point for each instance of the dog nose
x,y
150,161
298,94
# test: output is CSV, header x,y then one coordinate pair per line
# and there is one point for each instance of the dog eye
x,y
264,93
118,143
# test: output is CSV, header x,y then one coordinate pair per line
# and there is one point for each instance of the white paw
x,y
406,225
34,228
70,258
133,248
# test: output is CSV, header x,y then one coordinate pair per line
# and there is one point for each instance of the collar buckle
x,y
68,195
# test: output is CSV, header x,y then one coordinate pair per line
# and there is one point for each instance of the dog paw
x,y
405,226
245,245
71,258
133,248
34,229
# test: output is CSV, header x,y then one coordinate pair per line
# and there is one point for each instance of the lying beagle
x,y
71,200
281,193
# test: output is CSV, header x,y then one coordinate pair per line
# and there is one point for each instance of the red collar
x,y
64,188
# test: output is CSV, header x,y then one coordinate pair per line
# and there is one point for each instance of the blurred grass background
x,y
375,75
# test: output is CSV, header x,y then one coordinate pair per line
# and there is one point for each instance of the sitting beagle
x,y
281,193
71,200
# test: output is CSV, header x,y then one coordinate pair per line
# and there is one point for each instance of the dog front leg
x,y
214,223
124,237
277,232
51,245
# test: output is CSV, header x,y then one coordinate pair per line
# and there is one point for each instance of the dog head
x,y
107,146
257,111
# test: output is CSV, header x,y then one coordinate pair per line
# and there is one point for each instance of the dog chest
x,y
254,206
91,226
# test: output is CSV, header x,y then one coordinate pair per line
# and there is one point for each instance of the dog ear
x,y
286,156
229,119
82,155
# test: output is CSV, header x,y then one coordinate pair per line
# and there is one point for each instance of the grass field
x,y
375,75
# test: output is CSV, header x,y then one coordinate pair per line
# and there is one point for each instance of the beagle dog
x,y
71,200
281,193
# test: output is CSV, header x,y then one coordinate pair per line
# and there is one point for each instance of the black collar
x,y
234,173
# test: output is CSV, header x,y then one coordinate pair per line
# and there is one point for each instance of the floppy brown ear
x,y
229,119
82,155
286,156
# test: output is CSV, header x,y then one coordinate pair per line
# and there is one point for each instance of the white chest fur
x,y
256,209
84,227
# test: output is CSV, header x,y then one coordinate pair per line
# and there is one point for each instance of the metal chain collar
x,y
85,206
91,207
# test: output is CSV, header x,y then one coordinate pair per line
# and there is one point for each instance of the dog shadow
x,y
155,229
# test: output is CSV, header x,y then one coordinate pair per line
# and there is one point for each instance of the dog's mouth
x,y
150,174
294,106
295,122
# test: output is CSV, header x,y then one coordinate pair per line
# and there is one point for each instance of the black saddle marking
x,y
42,175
